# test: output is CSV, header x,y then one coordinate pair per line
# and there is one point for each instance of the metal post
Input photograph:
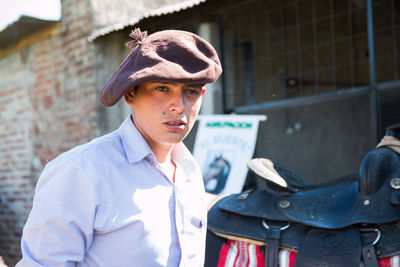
x,y
315,45
223,28
371,44
372,73
283,47
299,51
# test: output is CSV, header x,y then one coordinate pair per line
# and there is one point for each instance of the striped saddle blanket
x,y
245,254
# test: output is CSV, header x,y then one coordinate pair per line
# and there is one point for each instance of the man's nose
x,y
177,102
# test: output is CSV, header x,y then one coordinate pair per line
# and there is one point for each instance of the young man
x,y
133,197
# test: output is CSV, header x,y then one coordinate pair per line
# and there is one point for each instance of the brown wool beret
x,y
172,55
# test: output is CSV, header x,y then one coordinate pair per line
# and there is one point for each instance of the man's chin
x,y
174,138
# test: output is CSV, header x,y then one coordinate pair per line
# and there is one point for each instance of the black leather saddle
x,y
345,222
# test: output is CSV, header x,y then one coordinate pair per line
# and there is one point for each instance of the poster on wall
x,y
223,145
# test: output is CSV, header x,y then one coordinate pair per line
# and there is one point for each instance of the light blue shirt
x,y
108,203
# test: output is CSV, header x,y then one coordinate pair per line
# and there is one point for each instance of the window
x,y
276,50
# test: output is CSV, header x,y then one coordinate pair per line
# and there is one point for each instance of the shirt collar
x,y
184,160
136,147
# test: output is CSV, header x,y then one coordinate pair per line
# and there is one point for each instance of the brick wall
x,y
16,152
47,105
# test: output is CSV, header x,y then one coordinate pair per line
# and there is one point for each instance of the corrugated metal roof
x,y
23,27
153,13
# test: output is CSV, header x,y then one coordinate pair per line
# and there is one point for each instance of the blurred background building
x,y
325,72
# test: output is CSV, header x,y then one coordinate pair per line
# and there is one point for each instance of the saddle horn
x,y
372,173
375,165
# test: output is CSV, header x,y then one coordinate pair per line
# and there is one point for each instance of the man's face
x,y
164,112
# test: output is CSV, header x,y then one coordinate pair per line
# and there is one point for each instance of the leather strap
x,y
271,253
368,252
391,142
273,236
369,256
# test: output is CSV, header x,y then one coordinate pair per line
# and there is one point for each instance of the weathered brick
x,y
58,80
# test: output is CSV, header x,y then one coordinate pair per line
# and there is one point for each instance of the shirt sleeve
x,y
59,229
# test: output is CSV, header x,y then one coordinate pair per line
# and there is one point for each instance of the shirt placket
x,y
185,220
180,212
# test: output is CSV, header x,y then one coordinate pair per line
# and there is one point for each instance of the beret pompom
x,y
138,37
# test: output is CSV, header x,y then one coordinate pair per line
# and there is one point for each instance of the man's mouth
x,y
175,123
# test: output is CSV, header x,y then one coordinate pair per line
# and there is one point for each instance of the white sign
x,y
223,145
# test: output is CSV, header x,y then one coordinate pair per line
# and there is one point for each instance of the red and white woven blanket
x,y
244,254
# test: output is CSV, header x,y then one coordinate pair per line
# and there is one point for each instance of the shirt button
x,y
197,222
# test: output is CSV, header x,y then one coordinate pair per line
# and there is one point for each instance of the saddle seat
x,y
342,202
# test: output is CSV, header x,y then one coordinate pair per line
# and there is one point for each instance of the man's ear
x,y
129,97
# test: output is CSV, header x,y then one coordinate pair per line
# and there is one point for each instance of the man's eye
x,y
193,92
162,88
